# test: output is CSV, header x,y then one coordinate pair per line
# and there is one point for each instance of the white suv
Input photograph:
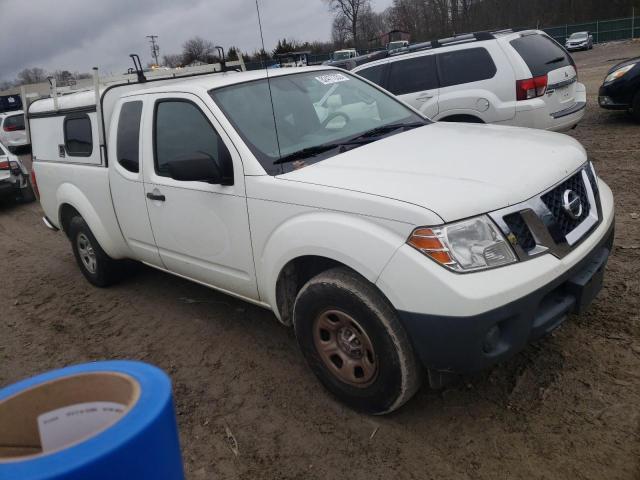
x,y
12,130
524,79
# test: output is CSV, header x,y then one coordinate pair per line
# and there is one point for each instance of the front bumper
x,y
450,317
468,344
617,95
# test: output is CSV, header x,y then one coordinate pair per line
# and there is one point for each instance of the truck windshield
x,y
341,55
316,115
578,36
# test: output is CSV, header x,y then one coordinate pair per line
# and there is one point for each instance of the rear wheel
x,y
97,267
353,341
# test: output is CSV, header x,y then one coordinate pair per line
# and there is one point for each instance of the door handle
x,y
156,197
424,98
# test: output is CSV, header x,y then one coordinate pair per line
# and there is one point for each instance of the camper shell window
x,y
78,140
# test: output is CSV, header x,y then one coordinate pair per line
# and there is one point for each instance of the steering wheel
x,y
333,116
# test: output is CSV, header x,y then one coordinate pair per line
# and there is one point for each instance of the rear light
x,y
34,184
12,128
531,88
4,165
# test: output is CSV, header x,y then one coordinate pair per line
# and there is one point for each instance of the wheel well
x,y
462,118
67,212
293,277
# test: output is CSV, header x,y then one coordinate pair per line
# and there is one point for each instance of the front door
x,y
201,229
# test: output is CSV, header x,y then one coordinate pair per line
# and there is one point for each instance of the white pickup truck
x,y
392,245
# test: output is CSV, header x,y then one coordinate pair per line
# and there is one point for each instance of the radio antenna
x,y
266,68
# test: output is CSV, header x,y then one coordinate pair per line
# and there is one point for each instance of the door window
x,y
375,74
183,132
465,66
128,143
413,75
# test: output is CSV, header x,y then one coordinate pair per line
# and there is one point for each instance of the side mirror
x,y
195,167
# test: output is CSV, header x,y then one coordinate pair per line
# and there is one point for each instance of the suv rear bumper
x,y
535,113
468,344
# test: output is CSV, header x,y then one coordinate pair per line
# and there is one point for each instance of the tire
x,y
97,267
26,193
635,107
373,367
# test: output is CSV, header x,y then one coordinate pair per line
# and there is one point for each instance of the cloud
x,y
77,35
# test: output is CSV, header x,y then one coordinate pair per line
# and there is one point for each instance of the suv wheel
x,y
97,267
353,341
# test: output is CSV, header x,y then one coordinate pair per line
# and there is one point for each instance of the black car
x,y
621,88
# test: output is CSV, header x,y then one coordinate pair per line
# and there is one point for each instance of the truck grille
x,y
564,223
545,223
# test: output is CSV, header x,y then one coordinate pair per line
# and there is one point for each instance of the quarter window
x,y
78,140
413,75
465,66
182,131
128,143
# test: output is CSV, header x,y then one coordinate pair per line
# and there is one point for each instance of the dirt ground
x,y
566,407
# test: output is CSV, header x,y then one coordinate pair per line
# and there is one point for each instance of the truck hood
x,y
454,170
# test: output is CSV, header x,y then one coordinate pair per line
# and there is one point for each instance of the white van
x,y
12,130
524,79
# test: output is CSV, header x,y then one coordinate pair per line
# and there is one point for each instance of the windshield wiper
x,y
389,128
555,60
366,137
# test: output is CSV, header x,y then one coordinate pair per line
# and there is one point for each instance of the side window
x,y
375,74
465,66
78,139
182,131
128,142
413,75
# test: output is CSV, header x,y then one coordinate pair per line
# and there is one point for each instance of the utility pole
x,y
155,48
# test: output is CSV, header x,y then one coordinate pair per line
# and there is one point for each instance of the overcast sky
x,y
76,35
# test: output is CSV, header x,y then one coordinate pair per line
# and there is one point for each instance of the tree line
x,y
356,24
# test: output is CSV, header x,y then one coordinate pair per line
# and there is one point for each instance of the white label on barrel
x,y
64,426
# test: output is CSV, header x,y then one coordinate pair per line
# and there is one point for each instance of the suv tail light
x,y
34,184
4,165
12,128
531,88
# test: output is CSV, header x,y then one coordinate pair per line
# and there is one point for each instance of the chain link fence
x,y
602,30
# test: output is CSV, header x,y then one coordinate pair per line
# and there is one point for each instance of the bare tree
x,y
31,75
340,31
172,60
351,10
197,49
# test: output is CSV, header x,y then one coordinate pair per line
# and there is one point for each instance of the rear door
x,y
126,179
415,81
544,56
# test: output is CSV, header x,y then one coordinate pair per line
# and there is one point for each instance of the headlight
x,y
619,73
466,246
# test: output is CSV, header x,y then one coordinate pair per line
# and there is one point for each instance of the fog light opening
x,y
491,339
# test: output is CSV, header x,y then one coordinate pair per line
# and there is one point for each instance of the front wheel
x,y
97,267
353,341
